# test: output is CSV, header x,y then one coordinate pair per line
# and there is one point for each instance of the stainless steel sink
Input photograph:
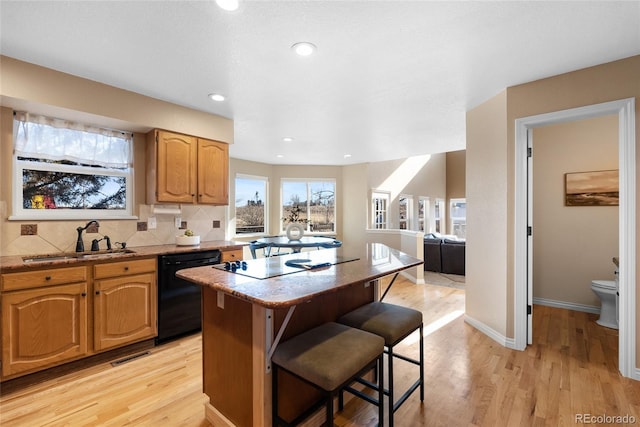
x,y
104,254
41,258
76,255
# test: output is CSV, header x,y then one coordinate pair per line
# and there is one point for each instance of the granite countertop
x,y
295,286
16,262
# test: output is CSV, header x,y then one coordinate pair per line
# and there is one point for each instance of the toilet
x,y
607,292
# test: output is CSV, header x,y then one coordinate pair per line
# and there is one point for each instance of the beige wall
x,y
456,174
572,245
355,203
487,294
494,181
44,91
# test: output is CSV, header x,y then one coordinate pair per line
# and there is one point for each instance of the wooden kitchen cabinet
x,y
125,303
213,172
234,255
55,315
43,327
186,169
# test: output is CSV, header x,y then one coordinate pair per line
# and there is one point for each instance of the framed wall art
x,y
598,188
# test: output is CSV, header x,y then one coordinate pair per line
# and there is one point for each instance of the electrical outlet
x,y
178,222
152,223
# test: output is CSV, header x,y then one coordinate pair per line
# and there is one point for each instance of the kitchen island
x,y
249,307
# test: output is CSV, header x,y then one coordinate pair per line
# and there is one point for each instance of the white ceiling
x,y
390,79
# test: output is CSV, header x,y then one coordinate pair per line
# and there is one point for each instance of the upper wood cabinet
x,y
213,172
186,169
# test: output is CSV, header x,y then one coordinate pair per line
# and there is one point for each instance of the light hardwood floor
x,y
470,379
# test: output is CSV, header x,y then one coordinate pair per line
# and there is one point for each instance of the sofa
x,y
433,254
444,254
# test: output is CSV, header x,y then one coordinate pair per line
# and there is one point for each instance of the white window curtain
x,y
55,139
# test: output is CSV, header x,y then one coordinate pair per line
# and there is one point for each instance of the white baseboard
x,y
567,305
412,278
490,332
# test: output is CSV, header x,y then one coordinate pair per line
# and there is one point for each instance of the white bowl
x,y
183,240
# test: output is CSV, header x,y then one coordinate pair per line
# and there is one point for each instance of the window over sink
x,y
67,170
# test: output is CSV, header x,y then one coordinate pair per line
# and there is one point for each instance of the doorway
x,y
574,239
625,110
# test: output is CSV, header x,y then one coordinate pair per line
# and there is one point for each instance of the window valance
x,y
56,139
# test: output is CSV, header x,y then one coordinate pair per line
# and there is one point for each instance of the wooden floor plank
x,y
470,380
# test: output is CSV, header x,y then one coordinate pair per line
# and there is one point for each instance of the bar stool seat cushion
x,y
392,322
329,354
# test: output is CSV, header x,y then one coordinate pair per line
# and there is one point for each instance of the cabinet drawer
x,y
231,255
124,267
39,278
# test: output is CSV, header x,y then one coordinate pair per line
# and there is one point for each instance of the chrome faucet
x,y
80,243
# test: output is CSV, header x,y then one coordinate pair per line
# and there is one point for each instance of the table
x,y
296,245
244,318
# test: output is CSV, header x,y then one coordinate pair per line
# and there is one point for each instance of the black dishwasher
x,y
180,301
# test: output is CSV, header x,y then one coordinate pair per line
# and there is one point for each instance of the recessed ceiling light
x,y
304,48
287,139
279,156
216,97
346,156
228,5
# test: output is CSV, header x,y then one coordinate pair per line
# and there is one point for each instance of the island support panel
x,y
235,343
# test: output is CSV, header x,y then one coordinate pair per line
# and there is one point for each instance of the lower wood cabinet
x,y
233,255
124,310
43,327
57,315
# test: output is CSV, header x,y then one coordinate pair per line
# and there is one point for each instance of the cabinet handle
x,y
47,277
97,292
84,294
126,268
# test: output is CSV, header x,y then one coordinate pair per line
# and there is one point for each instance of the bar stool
x,y
328,357
394,323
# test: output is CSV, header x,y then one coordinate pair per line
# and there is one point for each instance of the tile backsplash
x,y
40,237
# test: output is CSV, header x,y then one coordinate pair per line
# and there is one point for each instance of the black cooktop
x,y
264,268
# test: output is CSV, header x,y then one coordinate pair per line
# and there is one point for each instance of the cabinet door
x,y
176,167
124,310
43,327
213,172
